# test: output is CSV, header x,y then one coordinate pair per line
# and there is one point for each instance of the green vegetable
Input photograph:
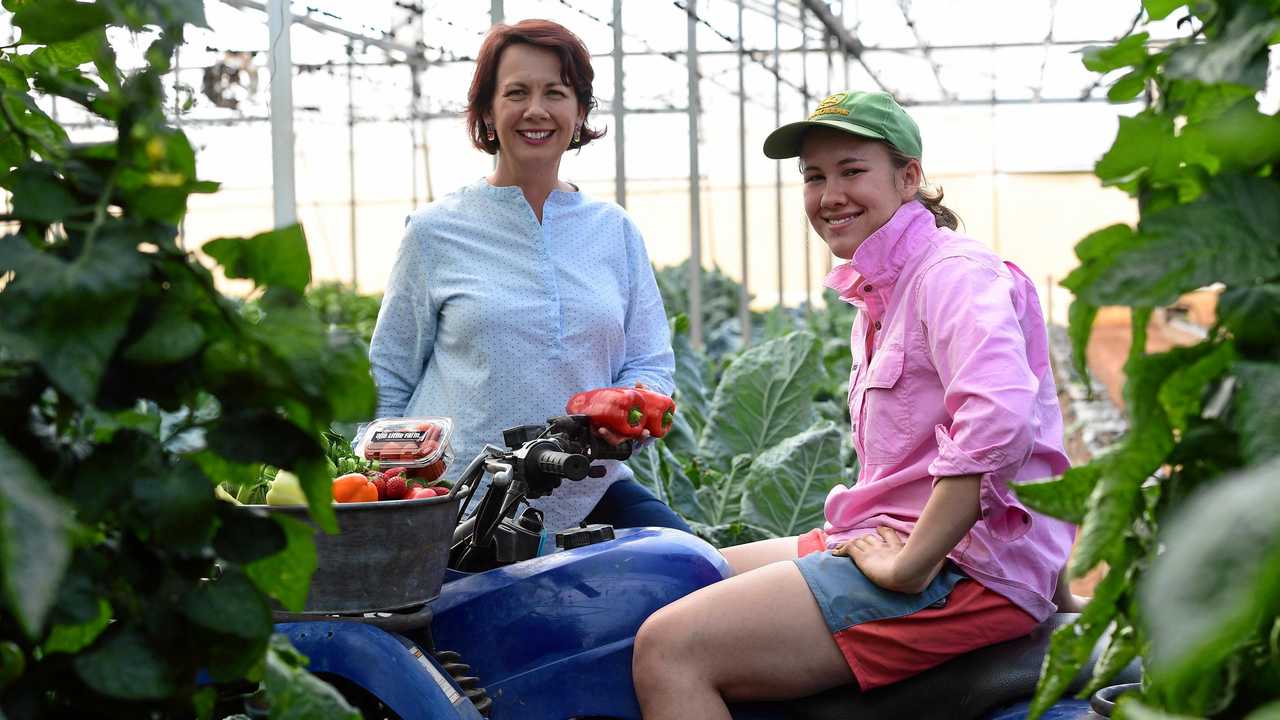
x,y
286,489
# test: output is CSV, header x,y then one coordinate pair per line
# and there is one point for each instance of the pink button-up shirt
x,y
951,377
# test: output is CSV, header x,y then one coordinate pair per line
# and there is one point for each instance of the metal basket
x,y
388,556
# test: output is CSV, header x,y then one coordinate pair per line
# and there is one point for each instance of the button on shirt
x,y
951,377
495,320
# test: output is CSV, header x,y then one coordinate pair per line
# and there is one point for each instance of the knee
x,y
659,649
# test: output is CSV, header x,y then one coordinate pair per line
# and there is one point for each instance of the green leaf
x,y
1237,57
765,396
125,665
1241,138
230,605
1121,650
1252,315
720,493
1270,711
1145,146
1071,645
51,21
658,469
691,376
71,53
204,702
137,14
294,693
1080,317
646,465
1065,497
275,258
1129,707
1222,237
12,77
1219,575
787,484
1160,9
261,436
1129,86
286,575
1257,417
35,540
37,127
1116,498
172,337
1131,50
74,638
38,194
729,534
176,504
247,535
1182,394
317,484
76,311
679,489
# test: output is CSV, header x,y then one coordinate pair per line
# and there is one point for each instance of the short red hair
x,y
575,71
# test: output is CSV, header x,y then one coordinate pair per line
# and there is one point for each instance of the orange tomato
x,y
354,487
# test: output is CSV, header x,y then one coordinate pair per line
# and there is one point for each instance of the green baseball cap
x,y
873,115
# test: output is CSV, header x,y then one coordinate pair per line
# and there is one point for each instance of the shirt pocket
x,y
886,414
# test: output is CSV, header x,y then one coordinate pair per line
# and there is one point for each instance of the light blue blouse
x,y
495,320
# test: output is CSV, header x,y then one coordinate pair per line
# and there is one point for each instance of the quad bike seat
x,y
966,687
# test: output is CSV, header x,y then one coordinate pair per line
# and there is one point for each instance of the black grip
x,y
561,464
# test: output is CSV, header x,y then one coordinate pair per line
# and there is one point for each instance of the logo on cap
x,y
831,106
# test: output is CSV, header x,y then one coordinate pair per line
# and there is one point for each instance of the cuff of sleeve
x,y
953,460
1000,510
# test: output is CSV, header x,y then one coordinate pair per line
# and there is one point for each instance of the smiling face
x,y
851,187
534,111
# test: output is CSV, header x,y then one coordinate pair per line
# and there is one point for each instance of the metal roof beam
x,y
390,45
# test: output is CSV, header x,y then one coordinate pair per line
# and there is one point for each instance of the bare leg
x,y
755,636
760,553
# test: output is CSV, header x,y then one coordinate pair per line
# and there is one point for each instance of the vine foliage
x,y
1175,511
130,387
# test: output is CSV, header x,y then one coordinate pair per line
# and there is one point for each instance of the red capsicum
x,y
659,411
618,410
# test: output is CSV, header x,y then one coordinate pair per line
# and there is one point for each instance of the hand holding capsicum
x,y
616,413
619,414
659,411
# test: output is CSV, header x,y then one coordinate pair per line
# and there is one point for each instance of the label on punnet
x,y
416,436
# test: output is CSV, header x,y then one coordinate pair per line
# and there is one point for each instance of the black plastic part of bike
x,y
470,684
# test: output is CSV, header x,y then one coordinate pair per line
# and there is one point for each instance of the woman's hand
x,y
876,555
615,439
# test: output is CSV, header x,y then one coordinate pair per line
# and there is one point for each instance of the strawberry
x,y
419,492
396,488
428,473
381,483
393,472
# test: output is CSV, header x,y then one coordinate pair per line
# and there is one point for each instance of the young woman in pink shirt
x,y
930,555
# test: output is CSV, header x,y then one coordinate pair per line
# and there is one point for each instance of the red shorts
x,y
885,651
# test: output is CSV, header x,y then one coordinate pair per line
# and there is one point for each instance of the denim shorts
x,y
848,598
887,636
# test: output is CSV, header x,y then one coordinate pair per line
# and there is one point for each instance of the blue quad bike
x,y
518,632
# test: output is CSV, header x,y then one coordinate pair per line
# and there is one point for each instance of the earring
x,y
577,135
489,133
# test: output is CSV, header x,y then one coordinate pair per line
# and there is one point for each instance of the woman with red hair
x,y
517,291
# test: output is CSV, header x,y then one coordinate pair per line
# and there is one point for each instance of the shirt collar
x,y
879,260
513,193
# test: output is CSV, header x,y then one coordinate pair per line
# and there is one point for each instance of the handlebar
x,y
537,459
568,465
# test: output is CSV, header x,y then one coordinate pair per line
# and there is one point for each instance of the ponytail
x,y
943,216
